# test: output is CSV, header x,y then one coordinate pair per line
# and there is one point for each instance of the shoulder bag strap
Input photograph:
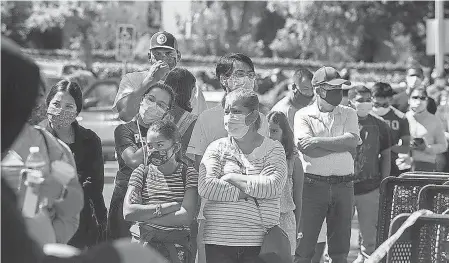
x,y
260,214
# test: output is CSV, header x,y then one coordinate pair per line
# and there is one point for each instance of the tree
x,y
14,14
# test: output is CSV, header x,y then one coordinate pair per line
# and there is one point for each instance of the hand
x,y
307,143
157,72
226,177
51,188
419,147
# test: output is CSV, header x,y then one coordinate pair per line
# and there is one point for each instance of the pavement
x,y
110,170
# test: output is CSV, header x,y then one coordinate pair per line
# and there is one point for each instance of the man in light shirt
x,y
163,56
234,71
299,96
326,133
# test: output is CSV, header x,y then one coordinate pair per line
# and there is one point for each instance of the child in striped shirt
x,y
162,194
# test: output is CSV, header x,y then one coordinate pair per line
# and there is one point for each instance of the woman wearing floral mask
x,y
235,170
130,150
426,131
64,102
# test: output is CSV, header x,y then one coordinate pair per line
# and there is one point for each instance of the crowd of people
x,y
205,185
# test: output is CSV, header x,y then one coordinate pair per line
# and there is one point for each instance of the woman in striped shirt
x,y
235,170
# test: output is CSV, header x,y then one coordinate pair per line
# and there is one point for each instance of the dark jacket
x,y
88,156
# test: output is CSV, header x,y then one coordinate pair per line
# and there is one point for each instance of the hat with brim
x,y
330,76
163,40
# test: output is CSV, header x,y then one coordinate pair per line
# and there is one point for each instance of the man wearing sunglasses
x,y
300,95
164,56
414,79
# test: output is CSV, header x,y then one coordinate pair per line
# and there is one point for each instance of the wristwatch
x,y
63,195
158,211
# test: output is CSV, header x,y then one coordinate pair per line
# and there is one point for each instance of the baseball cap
x,y
163,40
328,75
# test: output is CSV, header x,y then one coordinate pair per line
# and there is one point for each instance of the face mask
x,y
363,108
235,125
60,118
333,97
381,111
150,112
413,81
238,83
300,98
158,158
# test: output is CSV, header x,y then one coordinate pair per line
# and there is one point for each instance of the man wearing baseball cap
x,y
164,56
326,134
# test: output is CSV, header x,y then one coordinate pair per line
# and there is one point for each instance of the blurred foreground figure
x,y
17,245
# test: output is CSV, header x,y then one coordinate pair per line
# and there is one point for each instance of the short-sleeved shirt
x,y
375,135
132,81
285,107
127,135
210,127
399,128
310,122
159,188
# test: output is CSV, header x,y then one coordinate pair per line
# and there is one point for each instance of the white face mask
x,y
381,111
413,81
150,112
417,105
235,125
238,83
363,108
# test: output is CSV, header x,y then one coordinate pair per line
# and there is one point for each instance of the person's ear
x,y
177,147
178,57
223,82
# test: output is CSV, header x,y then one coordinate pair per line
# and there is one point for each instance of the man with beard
x,y
299,96
164,56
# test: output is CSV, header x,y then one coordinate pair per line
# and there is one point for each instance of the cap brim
x,y
346,87
338,82
165,47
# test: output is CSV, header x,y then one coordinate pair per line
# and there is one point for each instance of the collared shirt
x,y
311,122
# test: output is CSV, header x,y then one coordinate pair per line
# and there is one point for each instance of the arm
x,y
404,147
385,149
343,143
126,146
385,163
133,210
298,182
65,227
132,157
182,217
210,186
270,182
440,145
97,179
128,105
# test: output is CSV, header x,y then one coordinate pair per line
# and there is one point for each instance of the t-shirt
x,y
287,108
127,135
132,81
209,127
159,188
375,136
399,127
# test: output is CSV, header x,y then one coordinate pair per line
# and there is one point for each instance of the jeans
x,y
423,166
227,254
335,203
367,207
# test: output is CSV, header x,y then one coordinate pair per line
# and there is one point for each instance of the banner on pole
x,y
125,42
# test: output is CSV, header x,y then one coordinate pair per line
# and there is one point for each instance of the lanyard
x,y
144,145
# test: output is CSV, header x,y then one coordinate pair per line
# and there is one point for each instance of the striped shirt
x,y
228,220
159,188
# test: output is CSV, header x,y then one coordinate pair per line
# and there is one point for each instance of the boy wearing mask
x,y
399,126
372,164
414,78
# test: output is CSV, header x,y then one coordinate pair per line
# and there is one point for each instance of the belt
x,y
332,179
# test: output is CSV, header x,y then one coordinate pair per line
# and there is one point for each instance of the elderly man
x,y
326,133
164,56
299,96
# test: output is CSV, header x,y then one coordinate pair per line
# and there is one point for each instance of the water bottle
x,y
34,164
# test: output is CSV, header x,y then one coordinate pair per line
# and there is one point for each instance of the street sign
x,y
431,31
125,42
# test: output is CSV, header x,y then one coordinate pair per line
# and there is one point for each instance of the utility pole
x,y
439,36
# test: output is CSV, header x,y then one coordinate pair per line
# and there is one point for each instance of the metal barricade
x,y
434,198
426,241
399,195
436,175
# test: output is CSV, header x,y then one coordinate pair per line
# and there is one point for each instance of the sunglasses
x,y
419,97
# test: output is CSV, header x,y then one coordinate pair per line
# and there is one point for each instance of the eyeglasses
x,y
160,104
242,74
419,97
167,53
381,105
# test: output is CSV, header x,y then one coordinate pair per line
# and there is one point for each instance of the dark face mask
x,y
333,97
302,99
158,158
